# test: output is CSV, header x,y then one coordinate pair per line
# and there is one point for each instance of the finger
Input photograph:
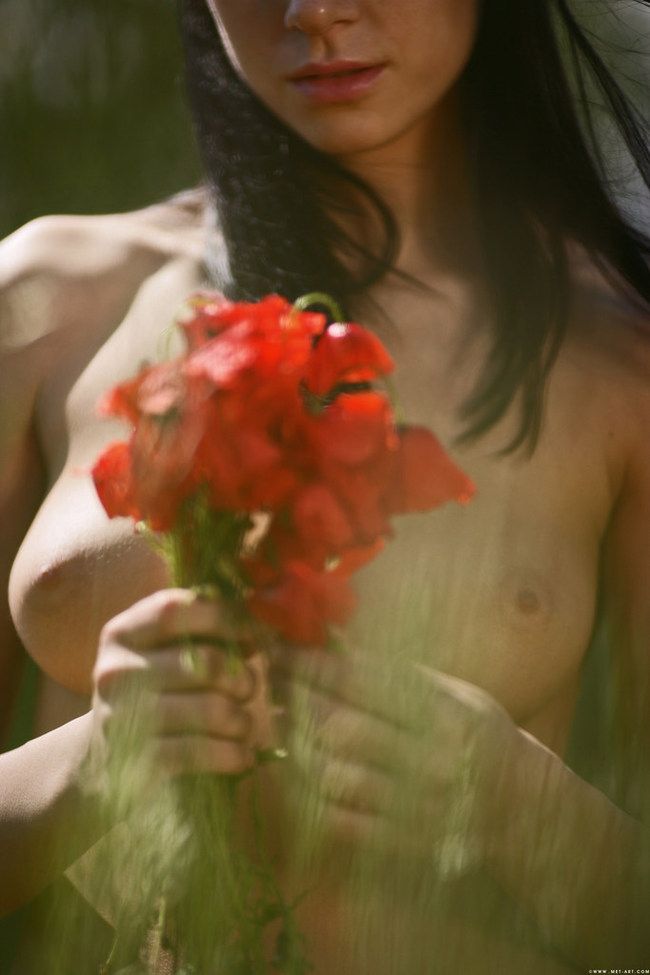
x,y
457,694
349,829
332,677
349,732
353,786
202,665
342,778
168,615
196,754
352,679
203,713
348,809
363,738
169,669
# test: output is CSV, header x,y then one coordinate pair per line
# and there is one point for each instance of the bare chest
x,y
500,593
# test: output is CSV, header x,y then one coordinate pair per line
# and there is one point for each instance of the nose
x,y
318,16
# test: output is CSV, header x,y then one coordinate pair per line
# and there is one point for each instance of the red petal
x,y
303,604
346,353
113,478
162,389
122,400
354,429
355,558
320,520
425,475
222,360
206,320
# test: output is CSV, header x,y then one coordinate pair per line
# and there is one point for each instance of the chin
x,y
344,138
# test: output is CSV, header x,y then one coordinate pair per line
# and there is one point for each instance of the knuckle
x,y
240,684
224,718
214,662
105,717
196,661
106,672
247,682
241,723
167,608
350,826
98,672
112,631
119,669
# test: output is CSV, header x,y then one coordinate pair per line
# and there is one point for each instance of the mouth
x,y
336,81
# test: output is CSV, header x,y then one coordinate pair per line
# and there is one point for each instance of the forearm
x,y
569,855
46,819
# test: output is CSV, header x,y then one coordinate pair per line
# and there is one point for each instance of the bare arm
x,y
21,476
58,278
35,780
46,820
569,857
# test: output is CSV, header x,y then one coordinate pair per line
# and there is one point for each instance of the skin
x,y
511,581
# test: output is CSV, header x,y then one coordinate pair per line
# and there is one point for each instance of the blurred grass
x,y
92,113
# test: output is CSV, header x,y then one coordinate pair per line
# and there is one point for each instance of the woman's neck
x,y
423,176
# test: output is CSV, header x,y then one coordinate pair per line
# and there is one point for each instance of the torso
x,y
501,593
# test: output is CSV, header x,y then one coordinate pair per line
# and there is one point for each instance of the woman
x,y
425,163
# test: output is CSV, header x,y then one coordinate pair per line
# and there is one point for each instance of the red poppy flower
x,y
240,463
235,422
304,603
270,318
354,445
204,318
424,476
346,353
320,522
113,478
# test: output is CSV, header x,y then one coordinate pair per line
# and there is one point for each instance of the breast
x,y
501,593
74,571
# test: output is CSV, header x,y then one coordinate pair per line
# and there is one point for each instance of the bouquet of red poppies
x,y
271,411
267,462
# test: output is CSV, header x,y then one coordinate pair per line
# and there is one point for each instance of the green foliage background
x,y
92,112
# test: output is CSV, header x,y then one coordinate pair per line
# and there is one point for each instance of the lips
x,y
336,81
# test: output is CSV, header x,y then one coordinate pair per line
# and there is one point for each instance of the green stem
x,y
106,967
285,910
319,298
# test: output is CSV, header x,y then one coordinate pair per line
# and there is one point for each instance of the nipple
x,y
527,601
525,598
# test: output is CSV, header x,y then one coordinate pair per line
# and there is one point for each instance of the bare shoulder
x,y
610,329
53,267
609,346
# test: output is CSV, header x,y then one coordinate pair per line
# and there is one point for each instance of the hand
x,y
166,690
413,761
